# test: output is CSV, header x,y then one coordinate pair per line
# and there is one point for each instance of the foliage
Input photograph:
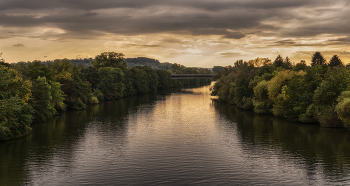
x,y
276,84
287,64
41,101
335,61
262,102
144,61
110,59
111,82
307,94
15,112
325,97
180,69
295,97
317,59
164,80
145,79
218,69
74,85
278,61
130,89
343,108
62,70
92,76
58,96
300,66
36,69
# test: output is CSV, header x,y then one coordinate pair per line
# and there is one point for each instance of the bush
x,y
343,108
15,112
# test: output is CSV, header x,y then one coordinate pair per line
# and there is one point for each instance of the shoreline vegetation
x,y
319,93
36,91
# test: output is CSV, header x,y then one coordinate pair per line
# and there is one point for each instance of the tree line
x,y
35,92
319,93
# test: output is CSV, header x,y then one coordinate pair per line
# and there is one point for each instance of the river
x,y
178,138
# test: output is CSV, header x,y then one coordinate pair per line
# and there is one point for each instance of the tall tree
x,y
15,112
41,100
335,61
287,64
74,85
238,63
36,69
317,59
278,61
111,82
110,59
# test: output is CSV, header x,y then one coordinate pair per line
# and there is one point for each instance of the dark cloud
x,y
18,45
19,21
107,4
230,19
229,54
345,52
284,42
234,35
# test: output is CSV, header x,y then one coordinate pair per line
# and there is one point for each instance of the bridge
x,y
190,76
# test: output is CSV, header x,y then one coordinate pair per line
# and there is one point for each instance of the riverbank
x,y
178,138
317,94
34,92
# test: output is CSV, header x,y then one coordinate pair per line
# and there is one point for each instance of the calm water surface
x,y
181,138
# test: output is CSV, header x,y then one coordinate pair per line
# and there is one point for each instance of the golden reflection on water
x,y
182,138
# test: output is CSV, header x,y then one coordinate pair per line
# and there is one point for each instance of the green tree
x,y
300,66
238,63
343,108
335,61
74,85
262,103
130,89
15,112
145,79
164,80
92,76
218,69
317,59
41,100
36,69
335,82
295,97
111,82
21,69
110,59
278,61
287,63
58,96
62,70
239,88
276,89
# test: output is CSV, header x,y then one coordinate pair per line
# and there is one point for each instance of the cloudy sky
x,y
190,32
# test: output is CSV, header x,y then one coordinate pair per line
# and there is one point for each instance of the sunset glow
x,y
201,33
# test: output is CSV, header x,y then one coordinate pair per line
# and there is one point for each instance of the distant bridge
x,y
190,76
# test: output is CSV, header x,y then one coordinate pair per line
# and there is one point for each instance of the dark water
x,y
181,138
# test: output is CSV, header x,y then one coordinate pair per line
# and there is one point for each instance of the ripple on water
x,y
177,139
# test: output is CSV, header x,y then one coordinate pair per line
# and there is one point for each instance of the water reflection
x,y
56,147
321,152
178,138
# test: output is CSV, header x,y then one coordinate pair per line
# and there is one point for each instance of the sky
x,y
201,33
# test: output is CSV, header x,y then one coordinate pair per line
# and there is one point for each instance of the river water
x,y
179,138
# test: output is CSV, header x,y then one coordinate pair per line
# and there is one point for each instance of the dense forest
x,y
144,61
36,91
319,93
